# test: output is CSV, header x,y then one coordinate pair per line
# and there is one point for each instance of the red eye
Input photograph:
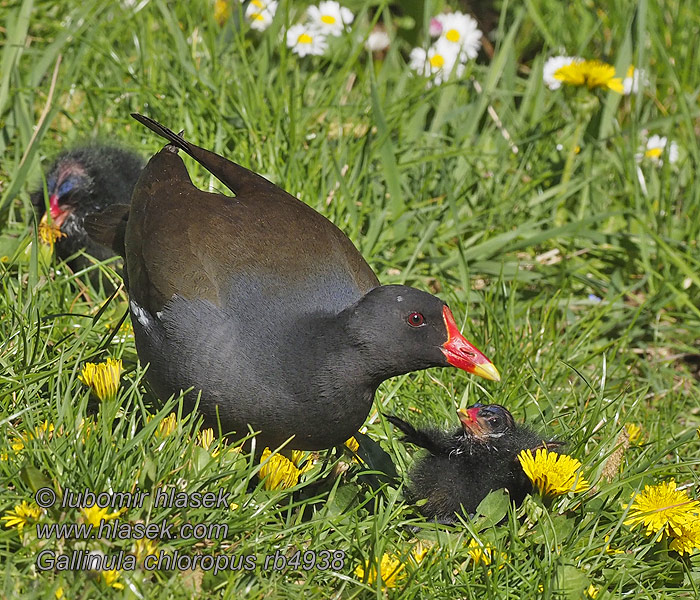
x,y
415,319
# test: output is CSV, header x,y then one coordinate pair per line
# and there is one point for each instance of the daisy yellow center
x,y
328,20
257,17
257,3
305,38
452,35
653,152
437,61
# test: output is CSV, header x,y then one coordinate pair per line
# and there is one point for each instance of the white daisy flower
x,y
330,18
552,65
461,30
435,27
303,40
377,41
437,62
634,78
260,13
656,146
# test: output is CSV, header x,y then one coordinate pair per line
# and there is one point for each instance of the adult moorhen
x,y
465,465
82,181
264,305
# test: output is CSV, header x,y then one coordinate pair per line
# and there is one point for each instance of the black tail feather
x,y
235,177
174,138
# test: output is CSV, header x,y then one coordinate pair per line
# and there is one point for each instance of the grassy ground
x,y
571,263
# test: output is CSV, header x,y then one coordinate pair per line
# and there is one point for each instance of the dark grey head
x,y
402,329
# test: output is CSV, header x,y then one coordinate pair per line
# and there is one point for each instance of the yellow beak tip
x,y
487,371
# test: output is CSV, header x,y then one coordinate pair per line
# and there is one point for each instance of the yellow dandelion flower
x,y
592,591
298,457
103,378
352,444
480,553
552,474
21,514
59,592
634,433
419,551
302,461
222,11
687,539
609,549
45,430
391,570
111,577
86,427
167,425
94,514
144,547
206,439
49,233
662,508
484,554
277,471
591,73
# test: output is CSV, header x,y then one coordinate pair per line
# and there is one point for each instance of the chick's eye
x,y
415,319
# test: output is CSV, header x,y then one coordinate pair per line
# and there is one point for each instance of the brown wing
x,y
185,241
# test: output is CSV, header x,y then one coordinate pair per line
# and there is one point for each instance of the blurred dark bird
x,y
80,182
466,464
265,306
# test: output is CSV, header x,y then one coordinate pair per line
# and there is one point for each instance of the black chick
x,y
465,465
82,181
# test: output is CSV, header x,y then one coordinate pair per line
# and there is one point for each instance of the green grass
x,y
430,190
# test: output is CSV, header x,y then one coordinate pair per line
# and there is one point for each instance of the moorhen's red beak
x,y
57,215
468,417
462,354
53,205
